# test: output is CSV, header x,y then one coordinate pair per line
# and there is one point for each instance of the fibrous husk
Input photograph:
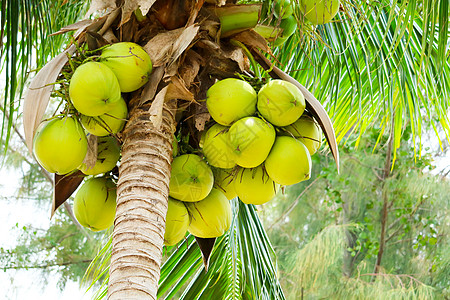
x,y
166,47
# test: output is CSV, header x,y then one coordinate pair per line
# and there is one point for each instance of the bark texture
x,y
142,193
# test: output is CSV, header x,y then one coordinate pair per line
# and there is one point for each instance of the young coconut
x,y
289,26
60,145
283,8
254,186
280,102
230,99
210,217
251,139
94,205
108,153
289,161
177,222
94,89
224,182
130,63
319,11
110,123
307,131
191,178
217,149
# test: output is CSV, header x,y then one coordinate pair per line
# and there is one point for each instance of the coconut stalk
x,y
237,18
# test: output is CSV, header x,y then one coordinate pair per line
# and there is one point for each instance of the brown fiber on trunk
x,y
142,193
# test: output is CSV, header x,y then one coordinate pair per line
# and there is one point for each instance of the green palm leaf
x,y
383,65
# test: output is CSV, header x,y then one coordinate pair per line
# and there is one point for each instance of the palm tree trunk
x,y
142,193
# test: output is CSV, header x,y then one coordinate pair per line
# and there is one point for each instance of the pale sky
x,y
26,283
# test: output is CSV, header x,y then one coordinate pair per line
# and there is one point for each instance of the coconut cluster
x,y
60,144
260,141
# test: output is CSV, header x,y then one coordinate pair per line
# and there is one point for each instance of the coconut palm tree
x,y
378,63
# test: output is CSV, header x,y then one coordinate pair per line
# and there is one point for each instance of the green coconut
x,y
177,222
191,178
280,102
217,148
210,217
289,161
130,63
224,182
307,131
108,153
254,186
111,122
230,99
60,145
94,205
94,89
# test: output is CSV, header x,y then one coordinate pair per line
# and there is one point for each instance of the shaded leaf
x,y
237,55
217,2
191,66
201,116
131,5
160,46
110,18
97,5
177,90
38,95
157,107
110,37
206,246
166,47
151,87
75,26
183,41
173,14
64,186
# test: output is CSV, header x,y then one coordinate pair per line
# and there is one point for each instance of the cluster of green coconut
x,y
96,108
261,141
283,23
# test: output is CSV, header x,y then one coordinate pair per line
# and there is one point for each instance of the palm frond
x,y
383,63
241,265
